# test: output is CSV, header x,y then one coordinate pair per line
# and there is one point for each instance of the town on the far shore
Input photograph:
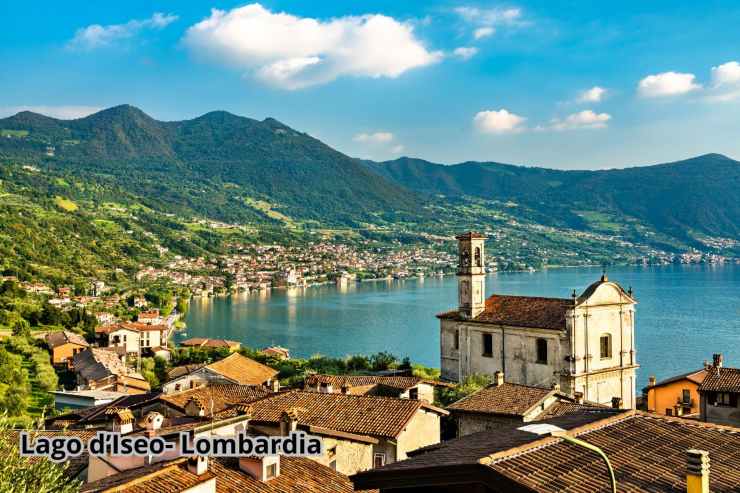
x,y
522,383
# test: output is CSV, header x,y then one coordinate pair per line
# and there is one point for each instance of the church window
x,y
478,260
457,339
487,345
606,346
542,351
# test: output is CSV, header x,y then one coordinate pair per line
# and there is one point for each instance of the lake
x,y
684,314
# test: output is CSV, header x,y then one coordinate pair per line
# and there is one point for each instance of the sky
x,y
560,84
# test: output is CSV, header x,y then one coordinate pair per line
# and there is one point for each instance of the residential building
x,y
235,368
359,432
277,352
226,475
134,337
646,452
214,398
82,399
503,404
585,343
720,394
102,369
64,345
675,396
150,317
403,387
201,342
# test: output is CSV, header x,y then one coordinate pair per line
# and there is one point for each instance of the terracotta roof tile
x,y
243,370
54,339
521,311
647,452
363,415
222,396
297,474
396,382
507,399
721,380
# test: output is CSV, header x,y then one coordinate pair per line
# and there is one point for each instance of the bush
x,y
471,384
382,361
358,362
46,377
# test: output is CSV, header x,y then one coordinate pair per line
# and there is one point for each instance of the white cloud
x,y
582,119
293,52
61,112
489,17
725,82
593,95
483,32
375,138
398,149
97,36
667,84
465,52
498,122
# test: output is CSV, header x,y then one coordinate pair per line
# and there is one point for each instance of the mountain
x,y
218,165
698,195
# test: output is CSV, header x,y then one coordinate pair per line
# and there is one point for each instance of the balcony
x,y
684,402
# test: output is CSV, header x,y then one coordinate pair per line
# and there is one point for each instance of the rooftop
x,y
222,396
521,311
508,399
721,379
243,370
362,415
55,339
647,452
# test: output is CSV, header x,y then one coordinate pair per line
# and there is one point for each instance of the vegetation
x,y
472,383
23,474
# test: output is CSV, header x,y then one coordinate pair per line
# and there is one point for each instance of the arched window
x,y
605,344
478,260
542,351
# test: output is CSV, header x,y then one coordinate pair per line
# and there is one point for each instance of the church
x,y
584,343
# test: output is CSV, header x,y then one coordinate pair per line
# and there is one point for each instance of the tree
x,y
22,328
382,361
472,383
23,474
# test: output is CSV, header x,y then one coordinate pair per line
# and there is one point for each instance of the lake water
x,y
684,314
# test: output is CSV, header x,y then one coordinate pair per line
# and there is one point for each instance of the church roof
x,y
470,235
521,311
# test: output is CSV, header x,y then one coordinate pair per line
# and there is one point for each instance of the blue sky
x,y
548,83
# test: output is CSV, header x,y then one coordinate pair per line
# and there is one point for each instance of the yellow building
x,y
675,396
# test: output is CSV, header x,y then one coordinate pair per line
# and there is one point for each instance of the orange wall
x,y
61,354
666,396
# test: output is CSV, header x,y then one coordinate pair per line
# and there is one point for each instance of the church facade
x,y
584,343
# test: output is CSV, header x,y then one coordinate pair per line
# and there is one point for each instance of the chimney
x,y
289,421
652,381
578,397
556,387
345,389
616,403
261,468
195,408
153,422
198,464
717,360
697,471
498,378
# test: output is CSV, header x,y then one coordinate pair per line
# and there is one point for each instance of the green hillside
x,y
685,199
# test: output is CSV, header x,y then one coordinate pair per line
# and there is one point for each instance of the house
x,y
102,369
675,396
150,317
215,398
63,346
277,352
272,474
134,337
202,342
720,395
234,368
585,343
403,387
503,404
105,318
81,399
646,452
359,432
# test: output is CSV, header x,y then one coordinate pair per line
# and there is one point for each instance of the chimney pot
x,y
198,464
498,378
617,402
578,396
697,471
652,381
717,360
556,387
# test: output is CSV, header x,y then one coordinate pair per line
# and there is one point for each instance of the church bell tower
x,y
471,274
